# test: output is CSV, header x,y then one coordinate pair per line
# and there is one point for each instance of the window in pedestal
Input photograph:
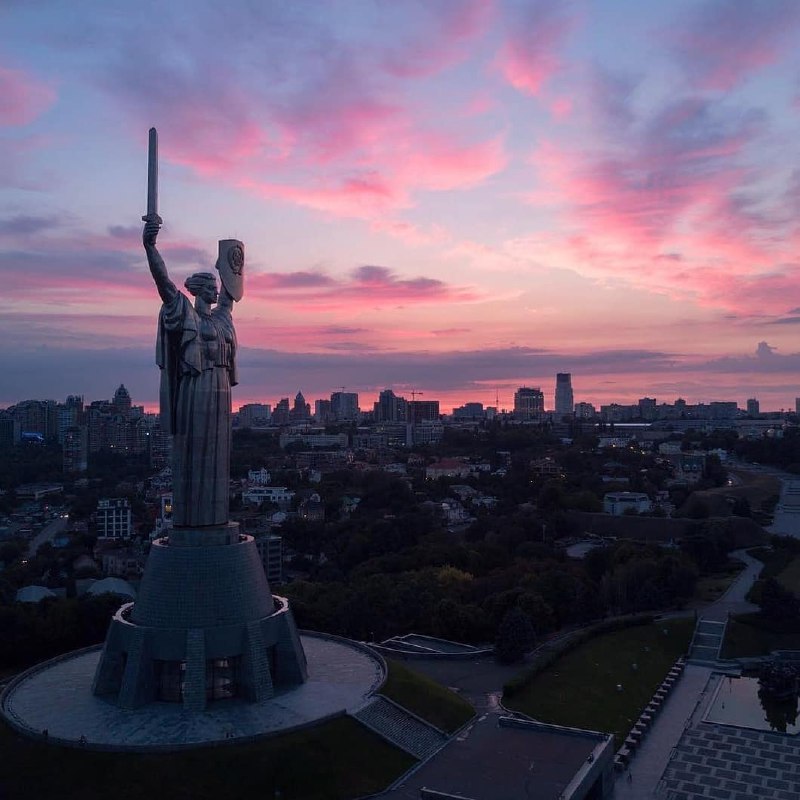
x,y
222,678
170,680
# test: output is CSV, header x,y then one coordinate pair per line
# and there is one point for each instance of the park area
x,y
756,634
604,683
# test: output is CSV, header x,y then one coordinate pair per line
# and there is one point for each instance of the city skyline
x,y
452,199
547,403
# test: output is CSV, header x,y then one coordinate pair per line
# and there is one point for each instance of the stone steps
x,y
707,641
401,728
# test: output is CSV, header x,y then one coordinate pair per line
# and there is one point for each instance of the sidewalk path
x,y
687,700
652,757
733,601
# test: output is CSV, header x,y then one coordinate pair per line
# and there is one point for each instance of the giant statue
x,y
196,351
205,625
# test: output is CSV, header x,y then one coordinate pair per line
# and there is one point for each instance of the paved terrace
x,y
490,762
58,698
727,763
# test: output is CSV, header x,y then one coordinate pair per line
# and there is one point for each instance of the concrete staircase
x,y
707,642
401,728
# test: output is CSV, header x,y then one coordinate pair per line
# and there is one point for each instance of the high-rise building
x,y
121,403
528,403
280,415
797,405
585,411
9,431
423,411
648,408
322,411
270,548
301,411
70,415
390,407
344,406
37,416
254,415
753,407
565,402
469,411
75,449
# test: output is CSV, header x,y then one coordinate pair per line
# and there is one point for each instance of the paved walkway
x,y
59,698
687,700
653,755
733,601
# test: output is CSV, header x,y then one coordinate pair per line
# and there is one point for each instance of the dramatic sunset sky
x,y
453,197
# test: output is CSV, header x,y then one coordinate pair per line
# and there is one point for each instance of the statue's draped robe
x,y
197,356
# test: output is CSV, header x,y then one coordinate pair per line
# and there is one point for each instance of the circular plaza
x,y
54,701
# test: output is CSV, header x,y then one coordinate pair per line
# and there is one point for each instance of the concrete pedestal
x,y
205,626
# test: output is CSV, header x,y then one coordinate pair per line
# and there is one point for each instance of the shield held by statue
x,y
230,264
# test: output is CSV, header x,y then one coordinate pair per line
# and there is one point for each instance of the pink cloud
x,y
324,116
440,39
22,97
678,184
403,166
531,55
366,287
416,235
720,45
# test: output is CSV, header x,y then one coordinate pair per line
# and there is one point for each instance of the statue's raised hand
x,y
152,225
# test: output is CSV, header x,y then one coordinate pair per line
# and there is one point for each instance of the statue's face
x,y
209,293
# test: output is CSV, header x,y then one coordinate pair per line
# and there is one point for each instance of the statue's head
x,y
204,285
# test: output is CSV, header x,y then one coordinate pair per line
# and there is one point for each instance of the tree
x,y
778,603
741,507
515,636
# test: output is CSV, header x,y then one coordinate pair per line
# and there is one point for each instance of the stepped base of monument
x,y
204,627
53,702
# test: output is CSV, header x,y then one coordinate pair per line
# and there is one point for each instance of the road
x,y
46,534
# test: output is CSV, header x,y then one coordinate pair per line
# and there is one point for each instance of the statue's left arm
x,y
225,300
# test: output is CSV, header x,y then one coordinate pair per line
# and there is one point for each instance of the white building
x,y
256,495
259,477
617,503
113,518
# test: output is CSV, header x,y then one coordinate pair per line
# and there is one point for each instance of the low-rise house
x,y
617,503
448,468
280,495
312,509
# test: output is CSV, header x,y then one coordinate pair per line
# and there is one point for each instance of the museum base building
x,y
204,627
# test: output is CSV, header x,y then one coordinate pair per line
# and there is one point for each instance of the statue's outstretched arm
x,y
225,300
158,269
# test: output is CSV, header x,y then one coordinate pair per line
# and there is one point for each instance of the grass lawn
x,y
745,636
711,587
757,489
426,698
340,759
580,689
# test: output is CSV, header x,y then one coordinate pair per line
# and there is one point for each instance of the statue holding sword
x,y
196,351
